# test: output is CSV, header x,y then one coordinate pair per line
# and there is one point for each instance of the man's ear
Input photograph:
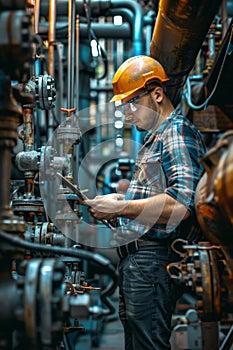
x,y
158,94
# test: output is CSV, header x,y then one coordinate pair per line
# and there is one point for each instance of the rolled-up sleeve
x,y
181,155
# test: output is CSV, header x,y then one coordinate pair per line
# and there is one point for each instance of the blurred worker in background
x,y
158,205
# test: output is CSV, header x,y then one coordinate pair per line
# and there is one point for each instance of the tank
x,y
214,196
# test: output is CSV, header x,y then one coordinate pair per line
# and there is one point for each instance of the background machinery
x,y
57,59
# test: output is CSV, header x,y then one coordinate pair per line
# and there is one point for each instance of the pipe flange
x,y
45,92
43,294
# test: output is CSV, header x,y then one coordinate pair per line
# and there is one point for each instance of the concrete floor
x,y
110,339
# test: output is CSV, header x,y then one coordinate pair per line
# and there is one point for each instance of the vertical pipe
x,y
10,114
133,12
76,147
5,159
77,61
71,53
36,15
60,49
51,36
210,335
148,30
28,136
224,18
51,39
28,128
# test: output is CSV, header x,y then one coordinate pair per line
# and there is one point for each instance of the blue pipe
x,y
132,11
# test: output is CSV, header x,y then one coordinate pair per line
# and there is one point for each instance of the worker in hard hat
x,y
158,205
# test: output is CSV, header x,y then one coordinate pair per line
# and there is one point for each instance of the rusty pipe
x,y
51,36
28,128
10,114
180,29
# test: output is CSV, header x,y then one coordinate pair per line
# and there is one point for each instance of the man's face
x,y
141,111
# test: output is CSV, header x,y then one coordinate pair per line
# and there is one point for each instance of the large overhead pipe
x,y
179,32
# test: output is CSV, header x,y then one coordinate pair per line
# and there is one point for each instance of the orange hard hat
x,y
135,74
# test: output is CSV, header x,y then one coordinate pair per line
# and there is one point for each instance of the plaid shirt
x,y
168,162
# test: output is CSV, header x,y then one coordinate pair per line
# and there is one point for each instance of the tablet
x,y
73,187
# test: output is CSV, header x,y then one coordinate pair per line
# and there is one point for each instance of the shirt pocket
x,y
151,174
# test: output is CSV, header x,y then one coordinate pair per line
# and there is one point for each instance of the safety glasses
x,y
131,105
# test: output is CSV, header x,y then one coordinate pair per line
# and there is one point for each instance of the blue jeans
x,y
147,298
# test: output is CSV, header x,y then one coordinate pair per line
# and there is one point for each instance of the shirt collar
x,y
151,133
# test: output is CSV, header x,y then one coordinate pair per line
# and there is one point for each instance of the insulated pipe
x,y
179,32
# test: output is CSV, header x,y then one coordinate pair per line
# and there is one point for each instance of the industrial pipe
x,y
179,32
71,54
130,9
77,42
121,7
51,36
97,7
101,30
125,8
51,40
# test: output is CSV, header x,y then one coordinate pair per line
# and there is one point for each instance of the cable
x,y
108,268
88,17
102,54
92,36
187,94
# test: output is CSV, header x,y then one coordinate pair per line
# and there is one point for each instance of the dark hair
x,y
154,83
